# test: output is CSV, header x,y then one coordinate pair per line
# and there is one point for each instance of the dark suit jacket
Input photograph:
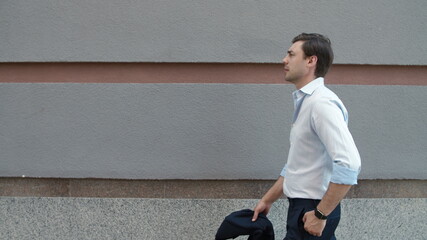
x,y
240,223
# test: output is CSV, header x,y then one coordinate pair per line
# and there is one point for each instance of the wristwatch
x,y
320,215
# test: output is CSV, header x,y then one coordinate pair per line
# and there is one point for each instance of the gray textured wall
x,y
363,32
194,131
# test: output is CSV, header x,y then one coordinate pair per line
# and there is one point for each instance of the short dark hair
x,y
317,45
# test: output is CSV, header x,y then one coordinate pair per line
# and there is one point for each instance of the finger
x,y
255,216
315,233
306,228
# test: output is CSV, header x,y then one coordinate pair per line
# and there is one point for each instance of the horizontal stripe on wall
x,y
201,189
246,73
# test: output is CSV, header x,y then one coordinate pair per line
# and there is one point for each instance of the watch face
x,y
319,214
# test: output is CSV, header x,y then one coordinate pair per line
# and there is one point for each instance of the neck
x,y
300,84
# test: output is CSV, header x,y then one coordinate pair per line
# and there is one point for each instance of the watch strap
x,y
320,215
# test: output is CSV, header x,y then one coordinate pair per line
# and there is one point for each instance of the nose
x,y
285,60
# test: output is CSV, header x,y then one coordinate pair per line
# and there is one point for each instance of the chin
x,y
289,80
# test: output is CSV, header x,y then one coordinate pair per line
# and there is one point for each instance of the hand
x,y
261,207
312,224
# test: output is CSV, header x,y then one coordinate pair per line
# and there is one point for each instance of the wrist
x,y
267,201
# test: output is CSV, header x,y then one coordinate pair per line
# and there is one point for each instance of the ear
x,y
312,60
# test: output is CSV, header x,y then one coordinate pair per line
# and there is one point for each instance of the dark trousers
x,y
295,226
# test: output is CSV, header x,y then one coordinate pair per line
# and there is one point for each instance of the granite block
x,y
133,218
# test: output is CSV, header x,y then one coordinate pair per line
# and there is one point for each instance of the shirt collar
x,y
313,85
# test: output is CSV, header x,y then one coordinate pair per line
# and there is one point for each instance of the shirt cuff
x,y
344,175
283,173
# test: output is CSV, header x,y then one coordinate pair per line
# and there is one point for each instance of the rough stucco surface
x,y
194,131
363,32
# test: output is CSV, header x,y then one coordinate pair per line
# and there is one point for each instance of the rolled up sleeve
x,y
344,175
283,173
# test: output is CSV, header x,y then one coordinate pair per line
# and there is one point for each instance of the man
x,y
323,160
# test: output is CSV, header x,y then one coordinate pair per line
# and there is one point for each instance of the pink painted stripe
x,y
246,73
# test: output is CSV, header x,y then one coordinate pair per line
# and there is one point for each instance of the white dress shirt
x,y
322,149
